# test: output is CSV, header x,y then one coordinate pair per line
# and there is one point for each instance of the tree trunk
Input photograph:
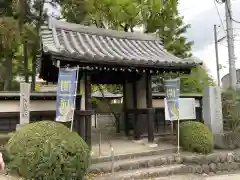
x,y
36,47
25,56
8,77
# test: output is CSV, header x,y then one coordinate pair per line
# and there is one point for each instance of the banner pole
x,y
178,119
76,82
178,138
172,131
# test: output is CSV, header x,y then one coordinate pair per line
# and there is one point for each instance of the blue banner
x,y
172,93
66,94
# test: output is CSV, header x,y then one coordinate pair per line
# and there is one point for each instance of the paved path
x,y
195,177
225,177
183,177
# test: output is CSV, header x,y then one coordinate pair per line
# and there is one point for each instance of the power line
x,y
219,15
230,14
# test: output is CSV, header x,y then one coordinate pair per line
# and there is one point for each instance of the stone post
x,y
212,109
24,104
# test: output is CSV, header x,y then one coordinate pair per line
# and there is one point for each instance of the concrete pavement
x,y
225,177
202,177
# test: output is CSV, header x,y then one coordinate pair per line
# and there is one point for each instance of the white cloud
x,y
202,15
191,8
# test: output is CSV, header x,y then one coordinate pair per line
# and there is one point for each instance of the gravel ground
x,y
202,177
6,177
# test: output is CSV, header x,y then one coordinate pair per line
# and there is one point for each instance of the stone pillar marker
x,y
24,104
212,109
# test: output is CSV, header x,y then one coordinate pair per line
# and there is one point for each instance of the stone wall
x,y
213,163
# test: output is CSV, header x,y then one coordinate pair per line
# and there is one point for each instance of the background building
x,y
226,81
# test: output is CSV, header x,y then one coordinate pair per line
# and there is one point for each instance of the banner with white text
x,y
66,94
172,93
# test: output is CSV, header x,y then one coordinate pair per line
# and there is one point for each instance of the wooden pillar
x,y
125,116
88,106
149,106
80,118
135,113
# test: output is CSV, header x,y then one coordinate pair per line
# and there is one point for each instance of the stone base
x,y
19,126
227,140
152,145
138,141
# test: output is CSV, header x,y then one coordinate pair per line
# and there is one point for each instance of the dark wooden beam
x,y
80,119
137,135
149,106
126,123
88,106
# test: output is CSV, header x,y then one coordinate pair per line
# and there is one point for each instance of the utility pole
x,y
216,52
230,41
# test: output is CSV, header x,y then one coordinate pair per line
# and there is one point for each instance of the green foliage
x,y
48,151
196,81
231,106
9,43
118,15
9,35
20,21
74,11
196,137
170,28
112,88
6,8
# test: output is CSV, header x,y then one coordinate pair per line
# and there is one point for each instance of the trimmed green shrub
x,y
47,151
196,137
230,107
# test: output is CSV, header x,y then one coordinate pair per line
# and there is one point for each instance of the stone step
x,y
183,177
102,159
135,163
145,173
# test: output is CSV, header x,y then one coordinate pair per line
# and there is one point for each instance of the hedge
x,y
47,151
196,137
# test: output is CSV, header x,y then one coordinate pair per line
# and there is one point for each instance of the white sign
x,y
24,103
187,109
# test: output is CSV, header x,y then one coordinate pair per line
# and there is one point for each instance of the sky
x,y
202,15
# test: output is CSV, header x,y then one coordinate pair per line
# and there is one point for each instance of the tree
x,y
74,11
9,43
118,15
20,26
170,28
196,81
32,14
6,8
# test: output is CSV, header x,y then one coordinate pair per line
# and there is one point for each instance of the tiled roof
x,y
103,46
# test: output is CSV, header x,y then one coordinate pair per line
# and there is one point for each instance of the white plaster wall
x,y
35,105
50,105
